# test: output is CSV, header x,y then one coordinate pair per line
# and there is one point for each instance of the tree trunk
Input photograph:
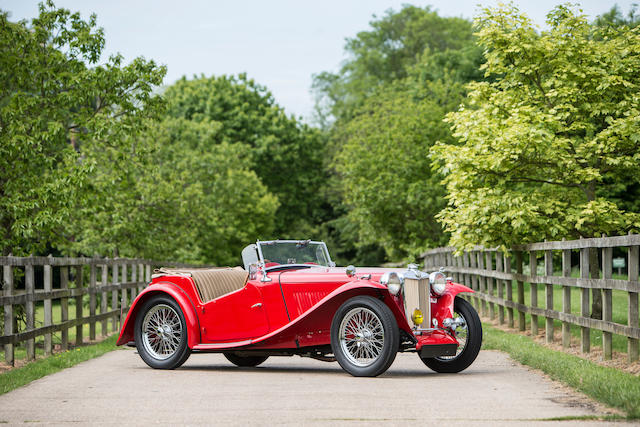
x,y
596,294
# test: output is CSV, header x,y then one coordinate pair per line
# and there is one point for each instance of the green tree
x,y
386,181
184,198
385,54
56,106
615,18
389,100
543,145
540,145
285,154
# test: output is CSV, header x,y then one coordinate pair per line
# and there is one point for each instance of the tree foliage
x,y
385,54
543,146
402,78
385,175
285,154
56,104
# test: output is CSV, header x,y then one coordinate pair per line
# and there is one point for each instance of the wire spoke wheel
x,y
161,332
361,336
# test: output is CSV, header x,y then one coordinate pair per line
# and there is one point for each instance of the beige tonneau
x,y
211,283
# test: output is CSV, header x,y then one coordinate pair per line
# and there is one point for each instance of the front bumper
x,y
436,343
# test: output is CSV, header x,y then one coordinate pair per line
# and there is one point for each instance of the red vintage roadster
x,y
290,299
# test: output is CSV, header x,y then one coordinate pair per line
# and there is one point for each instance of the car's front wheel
x,y
469,336
245,361
364,336
161,333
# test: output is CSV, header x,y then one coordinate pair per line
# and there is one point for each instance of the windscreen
x,y
293,253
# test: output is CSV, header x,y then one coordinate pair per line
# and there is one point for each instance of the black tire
x,y
245,361
468,354
382,342
174,358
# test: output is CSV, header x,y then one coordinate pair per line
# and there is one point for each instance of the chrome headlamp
x,y
392,281
438,282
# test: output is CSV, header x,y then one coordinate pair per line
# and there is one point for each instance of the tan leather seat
x,y
212,283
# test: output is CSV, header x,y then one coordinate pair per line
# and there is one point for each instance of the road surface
x,y
118,388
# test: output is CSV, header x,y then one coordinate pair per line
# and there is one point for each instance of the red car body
x,y
361,319
296,309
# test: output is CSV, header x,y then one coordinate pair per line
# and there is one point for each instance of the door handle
x,y
257,305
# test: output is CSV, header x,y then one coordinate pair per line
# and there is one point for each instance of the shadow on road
x,y
333,369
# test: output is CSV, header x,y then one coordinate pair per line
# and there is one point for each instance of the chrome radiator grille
x,y
416,295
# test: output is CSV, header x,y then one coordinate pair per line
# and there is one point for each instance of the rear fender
x,y
443,307
167,288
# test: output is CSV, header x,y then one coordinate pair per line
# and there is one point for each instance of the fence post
x,y
147,276
29,287
123,293
500,283
140,278
533,272
474,278
509,282
482,282
585,340
566,297
632,314
488,263
466,263
79,308
134,278
64,308
548,271
103,298
521,318
114,297
607,306
48,311
92,301
9,349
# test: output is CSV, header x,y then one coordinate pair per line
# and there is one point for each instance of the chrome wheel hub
x,y
361,336
161,331
458,327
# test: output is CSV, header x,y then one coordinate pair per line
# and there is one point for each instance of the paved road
x,y
118,388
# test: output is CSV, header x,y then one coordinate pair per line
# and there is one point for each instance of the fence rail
x,y
31,286
492,275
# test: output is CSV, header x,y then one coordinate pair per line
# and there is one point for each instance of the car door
x,y
236,316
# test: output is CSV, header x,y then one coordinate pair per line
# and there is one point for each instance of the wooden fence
x,y
45,280
492,274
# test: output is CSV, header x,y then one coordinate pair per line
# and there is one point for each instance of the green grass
x,y
18,377
607,385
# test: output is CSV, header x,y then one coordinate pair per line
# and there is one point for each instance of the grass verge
x,y
18,377
607,385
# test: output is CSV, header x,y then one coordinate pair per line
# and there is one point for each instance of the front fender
x,y
188,309
443,307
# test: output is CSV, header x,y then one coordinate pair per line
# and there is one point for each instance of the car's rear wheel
x,y
469,336
161,333
364,336
245,361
